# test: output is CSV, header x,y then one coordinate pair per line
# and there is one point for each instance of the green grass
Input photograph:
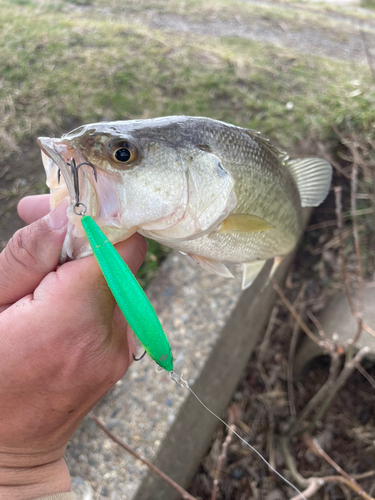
x,y
368,4
59,68
63,64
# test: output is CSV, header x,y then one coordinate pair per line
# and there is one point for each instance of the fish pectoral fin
x,y
243,223
313,178
212,266
250,272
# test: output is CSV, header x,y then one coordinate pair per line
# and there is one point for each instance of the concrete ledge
x,y
337,319
213,327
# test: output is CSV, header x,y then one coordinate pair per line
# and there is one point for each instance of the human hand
x,y
63,344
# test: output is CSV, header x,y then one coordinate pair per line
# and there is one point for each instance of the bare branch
x,y
184,494
353,201
316,483
368,329
223,455
318,326
367,376
365,475
319,396
348,369
292,350
338,191
264,344
331,159
315,447
294,313
291,466
333,222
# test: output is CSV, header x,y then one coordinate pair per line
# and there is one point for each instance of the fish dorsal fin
x,y
257,137
243,223
313,178
250,272
212,266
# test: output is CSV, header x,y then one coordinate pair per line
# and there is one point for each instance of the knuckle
x,y
19,252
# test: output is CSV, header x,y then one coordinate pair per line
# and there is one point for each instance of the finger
x,y
84,277
82,290
31,254
32,208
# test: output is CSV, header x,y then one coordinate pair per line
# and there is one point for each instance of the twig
x,y
333,222
264,344
367,376
313,486
319,396
315,447
345,491
291,466
318,326
338,191
335,241
353,201
294,313
184,494
344,270
254,490
331,159
315,483
365,475
368,329
222,455
292,350
348,369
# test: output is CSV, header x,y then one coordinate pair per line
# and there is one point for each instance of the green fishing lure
x,y
129,295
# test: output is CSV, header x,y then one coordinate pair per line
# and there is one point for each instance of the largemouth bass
x,y
214,191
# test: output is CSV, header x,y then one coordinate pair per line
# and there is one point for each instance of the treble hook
x,y
141,357
74,170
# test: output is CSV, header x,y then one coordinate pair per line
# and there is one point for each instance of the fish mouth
x,y
69,174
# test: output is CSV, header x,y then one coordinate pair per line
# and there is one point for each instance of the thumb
x,y
31,254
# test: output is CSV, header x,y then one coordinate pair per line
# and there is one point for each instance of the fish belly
x,y
241,247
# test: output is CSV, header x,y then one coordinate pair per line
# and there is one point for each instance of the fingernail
x,y
58,218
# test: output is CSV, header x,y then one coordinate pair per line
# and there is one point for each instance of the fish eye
x,y
123,152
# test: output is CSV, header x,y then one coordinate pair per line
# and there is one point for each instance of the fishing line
x,y
178,378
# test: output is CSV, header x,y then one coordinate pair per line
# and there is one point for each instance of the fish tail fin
x,y
313,178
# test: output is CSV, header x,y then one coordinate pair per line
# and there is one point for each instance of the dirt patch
x,y
304,40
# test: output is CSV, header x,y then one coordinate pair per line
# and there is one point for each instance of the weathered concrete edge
x,y
191,432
